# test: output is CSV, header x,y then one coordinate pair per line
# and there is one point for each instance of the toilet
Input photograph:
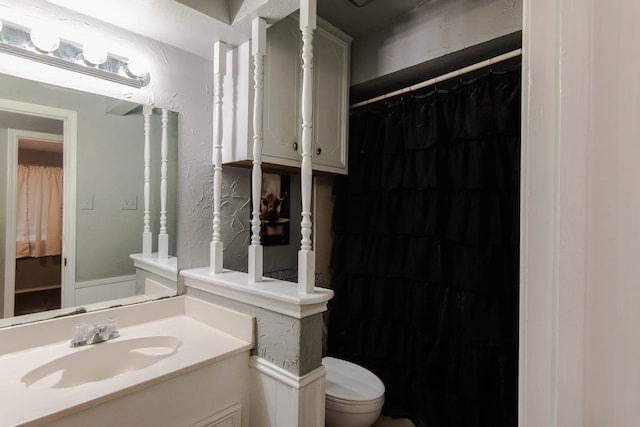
x,y
354,395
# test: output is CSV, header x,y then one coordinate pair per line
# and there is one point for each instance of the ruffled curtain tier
x,y
425,253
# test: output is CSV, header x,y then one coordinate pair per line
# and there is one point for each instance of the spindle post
x,y
147,110
219,68
163,237
258,49
306,257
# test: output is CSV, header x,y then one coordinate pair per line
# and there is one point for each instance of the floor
x,y
393,422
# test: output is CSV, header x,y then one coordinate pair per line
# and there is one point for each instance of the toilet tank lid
x,y
348,381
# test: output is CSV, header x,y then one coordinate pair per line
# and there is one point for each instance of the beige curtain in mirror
x,y
39,211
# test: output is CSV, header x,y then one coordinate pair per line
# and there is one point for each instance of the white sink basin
x,y
99,362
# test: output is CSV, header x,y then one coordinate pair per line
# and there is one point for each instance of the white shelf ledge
x,y
167,268
271,294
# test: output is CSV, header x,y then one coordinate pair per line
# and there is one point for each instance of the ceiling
x,y
358,21
194,25
345,14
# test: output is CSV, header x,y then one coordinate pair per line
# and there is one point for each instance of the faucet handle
x,y
79,330
111,325
79,333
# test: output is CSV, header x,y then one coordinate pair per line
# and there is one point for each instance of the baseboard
x,y
108,288
106,281
282,399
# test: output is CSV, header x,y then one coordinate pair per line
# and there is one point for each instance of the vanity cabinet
x,y
282,98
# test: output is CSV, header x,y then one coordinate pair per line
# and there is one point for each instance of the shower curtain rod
x,y
482,64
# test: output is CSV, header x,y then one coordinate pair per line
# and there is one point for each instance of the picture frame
x,y
275,209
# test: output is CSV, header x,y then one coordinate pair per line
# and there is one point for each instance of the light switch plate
x,y
129,202
86,202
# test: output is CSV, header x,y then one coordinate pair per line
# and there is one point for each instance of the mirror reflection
x,y
73,202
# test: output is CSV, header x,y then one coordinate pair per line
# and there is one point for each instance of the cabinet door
x,y
281,91
331,64
230,417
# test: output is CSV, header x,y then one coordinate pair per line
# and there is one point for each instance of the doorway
x,y
38,234
67,253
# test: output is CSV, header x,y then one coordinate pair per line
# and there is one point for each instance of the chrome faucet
x,y
99,333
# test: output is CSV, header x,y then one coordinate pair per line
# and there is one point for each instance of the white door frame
x,y
69,119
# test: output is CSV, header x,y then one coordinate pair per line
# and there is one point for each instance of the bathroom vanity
x,y
178,361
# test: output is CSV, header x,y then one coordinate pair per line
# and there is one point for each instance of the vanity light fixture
x,y
42,45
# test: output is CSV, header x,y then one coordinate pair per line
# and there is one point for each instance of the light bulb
x,y
94,53
44,39
137,68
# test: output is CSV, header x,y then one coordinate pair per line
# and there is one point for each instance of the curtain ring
x,y
406,96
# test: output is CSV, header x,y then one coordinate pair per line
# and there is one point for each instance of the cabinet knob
x,y
295,146
318,151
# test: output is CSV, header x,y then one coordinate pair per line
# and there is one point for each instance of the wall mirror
x,y
102,200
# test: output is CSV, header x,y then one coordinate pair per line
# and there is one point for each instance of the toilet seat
x,y
348,384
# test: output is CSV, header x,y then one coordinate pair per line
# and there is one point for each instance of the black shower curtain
x,y
425,253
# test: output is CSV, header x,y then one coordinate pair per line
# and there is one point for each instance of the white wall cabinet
x,y
282,94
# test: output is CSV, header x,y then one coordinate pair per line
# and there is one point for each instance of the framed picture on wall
x,y
275,208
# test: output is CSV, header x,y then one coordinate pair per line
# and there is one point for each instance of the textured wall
x,y
295,345
430,31
236,213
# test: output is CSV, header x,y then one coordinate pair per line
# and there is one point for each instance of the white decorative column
x,y
258,49
219,68
306,257
147,110
163,237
